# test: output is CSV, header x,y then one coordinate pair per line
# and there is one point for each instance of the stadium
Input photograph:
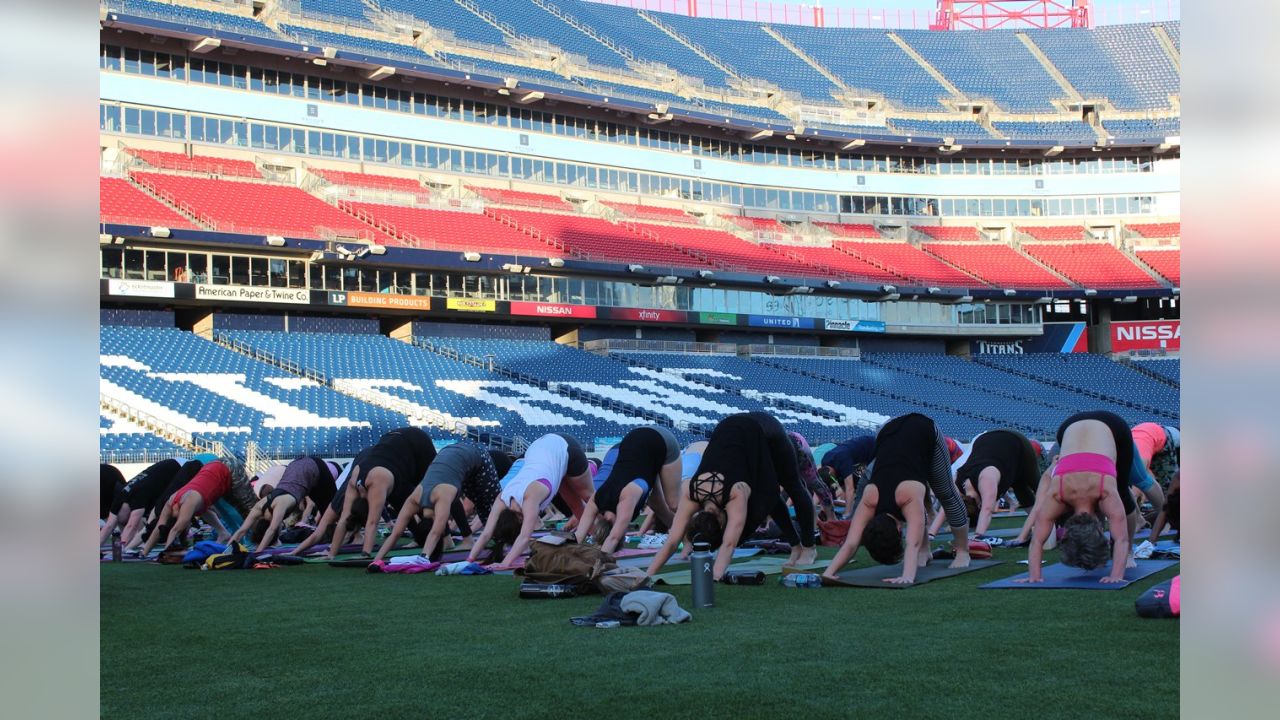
x,y
499,220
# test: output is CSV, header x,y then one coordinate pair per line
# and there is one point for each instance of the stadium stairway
x,y
1143,367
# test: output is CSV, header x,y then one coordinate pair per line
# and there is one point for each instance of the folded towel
x,y
463,568
654,608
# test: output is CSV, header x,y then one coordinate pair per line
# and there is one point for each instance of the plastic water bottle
x,y
117,552
801,580
701,565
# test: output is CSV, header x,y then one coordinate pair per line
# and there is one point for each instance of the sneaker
x,y
991,540
653,542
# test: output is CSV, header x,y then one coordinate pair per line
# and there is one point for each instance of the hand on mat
x,y
900,580
1109,580
1029,580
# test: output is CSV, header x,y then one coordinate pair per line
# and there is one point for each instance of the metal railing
x,y
800,351
659,346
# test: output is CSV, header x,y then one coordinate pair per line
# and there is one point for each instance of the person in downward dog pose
x,y
999,461
304,483
384,475
628,480
1090,481
846,464
747,464
143,495
911,458
461,470
195,498
549,463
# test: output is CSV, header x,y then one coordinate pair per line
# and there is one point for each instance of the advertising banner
x,y
779,322
644,315
381,301
292,296
1146,335
538,309
717,318
140,288
471,305
1069,337
867,326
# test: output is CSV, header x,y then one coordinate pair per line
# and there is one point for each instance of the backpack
x,y
560,561
833,532
235,558
196,556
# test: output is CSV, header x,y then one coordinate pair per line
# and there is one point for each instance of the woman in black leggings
x,y
911,458
748,461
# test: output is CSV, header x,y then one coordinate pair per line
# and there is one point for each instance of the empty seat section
x,y
599,239
448,15
962,233
1154,129
1166,262
841,263
1046,130
211,165
358,44
522,198
909,261
869,60
192,16
939,128
749,51
999,265
536,22
217,394
1058,402
756,224
991,65
651,212
732,252
1168,369
1053,232
1093,265
121,202
452,230
256,208
376,182
396,374
1123,63
851,230
1157,230
1117,383
341,10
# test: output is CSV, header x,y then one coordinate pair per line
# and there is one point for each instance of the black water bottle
x,y
117,553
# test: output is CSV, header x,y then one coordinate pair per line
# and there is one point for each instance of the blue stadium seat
x,y
193,17
1123,63
1152,130
534,22
354,43
448,15
992,64
1037,130
940,128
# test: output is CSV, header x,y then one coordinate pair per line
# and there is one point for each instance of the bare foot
x,y
1131,563
802,556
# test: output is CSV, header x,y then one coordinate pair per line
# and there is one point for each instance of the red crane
x,y
992,14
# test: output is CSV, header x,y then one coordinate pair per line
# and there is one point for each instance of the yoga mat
x,y
1145,534
356,562
767,565
1009,533
322,558
874,576
641,561
1062,577
635,552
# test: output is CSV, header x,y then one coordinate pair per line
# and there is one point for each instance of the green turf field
x,y
316,642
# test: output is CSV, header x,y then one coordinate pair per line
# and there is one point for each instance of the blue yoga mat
x,y
1063,577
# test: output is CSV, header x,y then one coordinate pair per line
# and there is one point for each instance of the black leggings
x,y
1124,449
787,471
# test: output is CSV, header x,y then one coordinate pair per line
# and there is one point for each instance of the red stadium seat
x,y
1093,265
1166,262
521,198
431,228
376,182
910,262
599,239
998,264
122,203
950,233
755,224
733,253
651,212
1054,232
857,231
842,263
213,166
1157,230
256,208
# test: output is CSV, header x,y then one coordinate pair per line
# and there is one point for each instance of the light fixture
x,y
934,290
889,288
1046,300
362,252
772,279
1010,292
1090,292
800,290
344,252
670,280
471,256
964,299
707,273
1177,291
160,232
376,249
275,241
513,267
104,238
316,256
833,284
1129,299
118,240
556,262
635,268
890,297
